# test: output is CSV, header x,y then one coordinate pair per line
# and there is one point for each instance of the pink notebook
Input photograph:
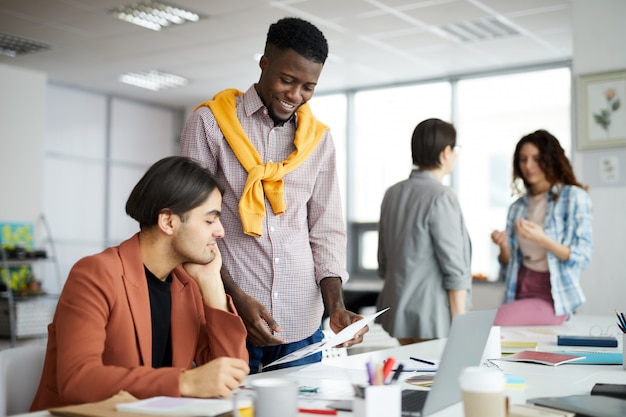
x,y
544,358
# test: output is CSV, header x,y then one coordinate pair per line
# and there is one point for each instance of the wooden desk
x,y
541,380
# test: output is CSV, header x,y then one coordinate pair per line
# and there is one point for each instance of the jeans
x,y
268,354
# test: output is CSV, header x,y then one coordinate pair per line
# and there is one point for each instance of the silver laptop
x,y
464,347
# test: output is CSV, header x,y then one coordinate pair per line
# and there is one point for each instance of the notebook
x,y
543,358
180,406
509,347
595,357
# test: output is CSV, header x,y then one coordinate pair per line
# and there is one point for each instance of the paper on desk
x,y
324,371
343,336
178,406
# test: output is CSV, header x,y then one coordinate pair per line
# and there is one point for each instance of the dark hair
x,y
299,35
176,183
552,161
430,137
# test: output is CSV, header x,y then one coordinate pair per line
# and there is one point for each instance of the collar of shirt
x,y
555,190
252,103
421,173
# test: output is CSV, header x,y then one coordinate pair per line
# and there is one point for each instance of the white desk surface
x,y
541,380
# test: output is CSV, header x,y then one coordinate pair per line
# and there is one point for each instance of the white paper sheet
x,y
343,336
323,371
180,407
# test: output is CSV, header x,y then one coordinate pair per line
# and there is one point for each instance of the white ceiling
x,y
372,42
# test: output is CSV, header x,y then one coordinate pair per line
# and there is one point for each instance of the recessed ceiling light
x,y
154,15
478,30
13,46
153,80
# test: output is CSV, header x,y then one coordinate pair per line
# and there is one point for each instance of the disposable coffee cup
x,y
483,392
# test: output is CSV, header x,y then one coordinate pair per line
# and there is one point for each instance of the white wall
x,y
599,34
139,136
65,153
96,149
22,111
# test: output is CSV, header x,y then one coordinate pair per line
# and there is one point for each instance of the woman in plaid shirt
x,y
548,239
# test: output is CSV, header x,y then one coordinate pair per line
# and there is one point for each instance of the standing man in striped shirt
x,y
284,260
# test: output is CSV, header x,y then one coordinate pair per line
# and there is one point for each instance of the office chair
x,y
20,372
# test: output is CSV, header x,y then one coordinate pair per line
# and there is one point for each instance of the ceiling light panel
x,y
153,80
13,46
478,30
154,15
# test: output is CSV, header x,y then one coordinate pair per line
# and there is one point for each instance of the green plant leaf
x,y
615,105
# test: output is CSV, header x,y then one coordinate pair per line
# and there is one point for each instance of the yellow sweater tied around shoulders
x,y
264,180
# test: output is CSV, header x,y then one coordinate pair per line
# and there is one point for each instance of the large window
x,y
380,155
332,110
380,151
491,113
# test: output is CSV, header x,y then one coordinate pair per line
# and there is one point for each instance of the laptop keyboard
x,y
413,401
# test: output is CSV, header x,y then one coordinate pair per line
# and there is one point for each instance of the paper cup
x,y
483,392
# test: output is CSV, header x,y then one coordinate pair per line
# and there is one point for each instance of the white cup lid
x,y
481,379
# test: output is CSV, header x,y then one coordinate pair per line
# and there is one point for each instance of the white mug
x,y
483,392
272,397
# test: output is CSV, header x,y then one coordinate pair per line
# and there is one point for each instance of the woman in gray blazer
x,y
424,250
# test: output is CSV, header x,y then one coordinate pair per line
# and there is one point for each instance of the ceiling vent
x,y
13,46
479,30
154,15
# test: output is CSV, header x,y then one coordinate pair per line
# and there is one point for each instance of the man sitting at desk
x,y
150,316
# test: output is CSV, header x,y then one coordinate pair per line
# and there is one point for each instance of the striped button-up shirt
x,y
568,222
282,268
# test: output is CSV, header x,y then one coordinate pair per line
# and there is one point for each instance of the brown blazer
x,y
100,340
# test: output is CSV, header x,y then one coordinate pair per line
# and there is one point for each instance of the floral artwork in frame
x,y
603,110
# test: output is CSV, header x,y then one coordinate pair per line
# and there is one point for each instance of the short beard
x,y
278,121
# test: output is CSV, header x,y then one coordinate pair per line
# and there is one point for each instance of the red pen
x,y
387,368
327,412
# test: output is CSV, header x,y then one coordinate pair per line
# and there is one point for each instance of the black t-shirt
x,y
161,313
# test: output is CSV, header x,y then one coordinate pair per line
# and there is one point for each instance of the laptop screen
x,y
464,347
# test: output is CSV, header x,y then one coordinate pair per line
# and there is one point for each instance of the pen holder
x,y
378,400
624,350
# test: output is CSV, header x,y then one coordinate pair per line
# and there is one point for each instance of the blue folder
x,y
595,341
595,358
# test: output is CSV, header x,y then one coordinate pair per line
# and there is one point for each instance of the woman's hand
x,y
530,231
500,238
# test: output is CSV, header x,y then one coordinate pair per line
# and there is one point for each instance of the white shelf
x,y
26,316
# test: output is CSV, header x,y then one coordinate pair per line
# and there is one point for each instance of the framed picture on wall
x,y
602,110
